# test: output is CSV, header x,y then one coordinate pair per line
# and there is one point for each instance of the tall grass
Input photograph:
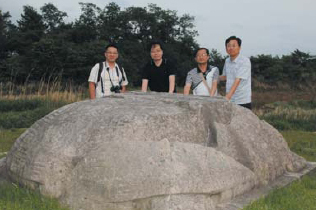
x,y
22,105
293,115
53,90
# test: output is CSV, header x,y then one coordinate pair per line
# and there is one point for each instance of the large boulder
x,y
149,152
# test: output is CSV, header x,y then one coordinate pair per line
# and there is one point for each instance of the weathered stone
x,y
149,152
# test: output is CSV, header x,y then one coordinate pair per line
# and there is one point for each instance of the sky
x,y
276,27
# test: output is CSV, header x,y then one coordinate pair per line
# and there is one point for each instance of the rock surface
x,y
149,152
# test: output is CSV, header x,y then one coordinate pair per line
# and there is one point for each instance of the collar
x,y
236,59
107,65
199,70
162,63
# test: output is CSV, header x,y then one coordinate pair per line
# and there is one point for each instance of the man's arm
x,y
92,90
172,81
186,89
214,87
222,78
144,85
233,89
123,89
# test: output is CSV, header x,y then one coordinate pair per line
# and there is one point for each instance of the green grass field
x,y
299,195
7,138
302,143
13,197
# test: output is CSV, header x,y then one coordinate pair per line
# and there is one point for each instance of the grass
x,y
294,115
300,195
13,197
23,113
7,139
302,143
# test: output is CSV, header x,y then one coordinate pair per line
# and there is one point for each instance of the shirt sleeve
x,y
216,74
145,72
124,82
244,69
94,73
189,79
172,69
224,69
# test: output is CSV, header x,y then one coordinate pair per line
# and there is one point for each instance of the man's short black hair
x,y
233,38
154,43
111,45
201,48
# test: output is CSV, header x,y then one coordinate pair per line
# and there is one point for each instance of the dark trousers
x,y
248,105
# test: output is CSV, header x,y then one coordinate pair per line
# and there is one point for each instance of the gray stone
x,y
149,152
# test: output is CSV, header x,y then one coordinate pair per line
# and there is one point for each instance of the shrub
x,y
23,113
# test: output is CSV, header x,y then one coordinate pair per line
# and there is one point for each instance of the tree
x,y
186,27
85,29
43,44
111,23
52,17
31,21
5,49
4,33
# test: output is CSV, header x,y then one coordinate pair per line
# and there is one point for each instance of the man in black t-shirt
x,y
159,73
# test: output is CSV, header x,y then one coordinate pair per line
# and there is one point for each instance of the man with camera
x,y
107,77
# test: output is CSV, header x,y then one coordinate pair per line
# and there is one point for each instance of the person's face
x,y
111,54
232,48
156,52
202,57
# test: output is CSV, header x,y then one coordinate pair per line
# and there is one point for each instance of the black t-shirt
x,y
158,77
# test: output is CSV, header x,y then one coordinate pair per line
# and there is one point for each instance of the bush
x,y
23,113
20,104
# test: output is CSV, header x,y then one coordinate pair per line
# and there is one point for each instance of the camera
x,y
116,89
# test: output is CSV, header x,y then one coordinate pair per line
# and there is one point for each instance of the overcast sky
x,y
275,27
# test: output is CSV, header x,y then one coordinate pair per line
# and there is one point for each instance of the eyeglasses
x,y
201,55
155,51
232,46
111,53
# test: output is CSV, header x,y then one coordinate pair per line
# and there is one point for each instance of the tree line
x,y
43,46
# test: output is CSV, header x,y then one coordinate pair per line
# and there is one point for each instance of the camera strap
x,y
99,78
118,75
108,69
